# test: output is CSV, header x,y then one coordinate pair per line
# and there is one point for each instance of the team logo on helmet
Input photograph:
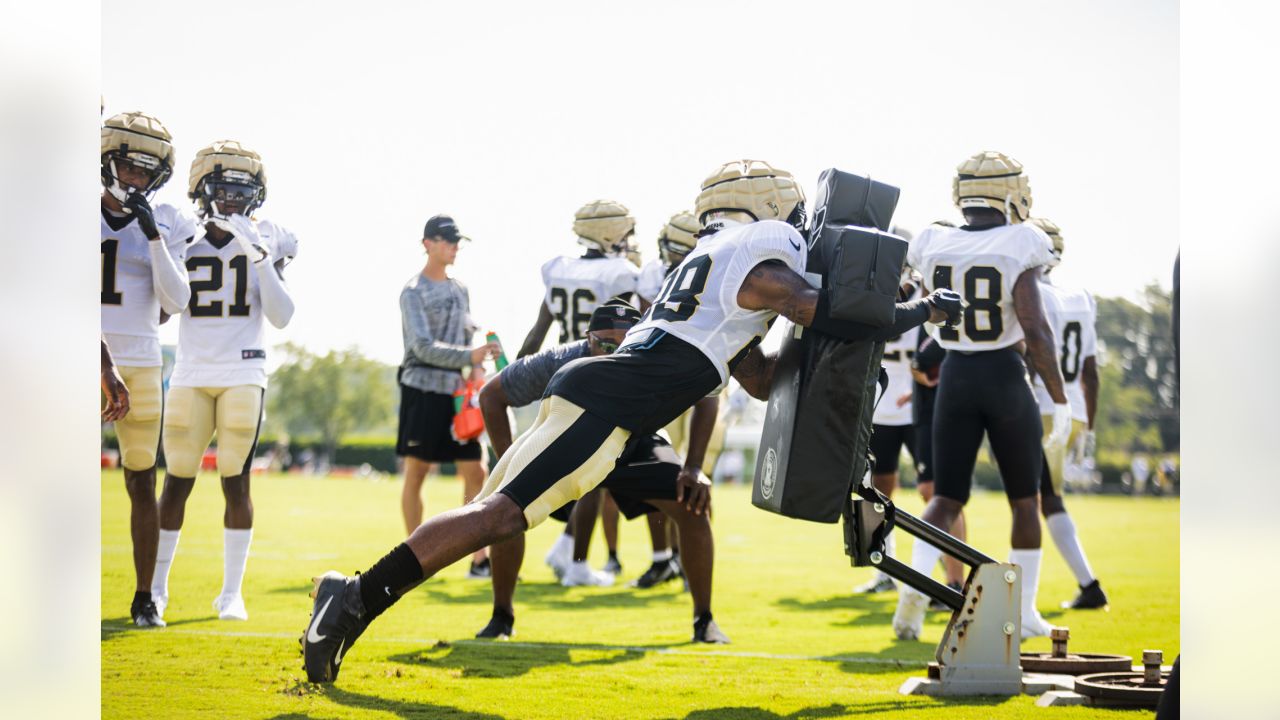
x,y
227,178
994,180
753,187
604,225
678,237
140,140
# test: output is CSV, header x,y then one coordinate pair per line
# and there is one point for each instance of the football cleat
x,y
580,574
659,572
501,627
480,571
230,607
881,583
559,561
705,630
161,603
1035,626
333,628
1091,597
908,619
145,614
613,567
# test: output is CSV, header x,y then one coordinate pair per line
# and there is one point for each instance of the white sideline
x,y
558,646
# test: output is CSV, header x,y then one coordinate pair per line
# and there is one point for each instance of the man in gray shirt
x,y
435,315
649,476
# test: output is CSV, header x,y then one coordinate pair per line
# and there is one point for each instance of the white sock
x,y
662,555
1029,561
580,566
235,553
164,560
564,544
1067,541
923,557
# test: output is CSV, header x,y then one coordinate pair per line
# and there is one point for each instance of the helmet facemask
x,y
224,193
157,171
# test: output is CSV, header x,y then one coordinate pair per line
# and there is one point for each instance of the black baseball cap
x,y
443,226
617,314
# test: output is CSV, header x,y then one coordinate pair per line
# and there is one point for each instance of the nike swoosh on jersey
x,y
312,635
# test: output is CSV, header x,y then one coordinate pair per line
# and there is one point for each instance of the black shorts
x,y
986,393
887,442
426,422
641,387
924,451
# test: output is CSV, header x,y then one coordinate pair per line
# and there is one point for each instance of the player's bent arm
x,y
277,303
169,279
772,285
538,333
755,373
1089,381
1040,350
701,424
424,346
493,406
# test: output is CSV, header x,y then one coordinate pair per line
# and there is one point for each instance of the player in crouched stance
x,y
705,323
236,268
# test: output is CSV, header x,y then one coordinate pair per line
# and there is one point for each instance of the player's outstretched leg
x,y
344,606
506,558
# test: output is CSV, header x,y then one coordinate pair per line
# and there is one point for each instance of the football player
x,y
994,260
645,478
573,289
679,236
142,278
1072,317
236,266
704,326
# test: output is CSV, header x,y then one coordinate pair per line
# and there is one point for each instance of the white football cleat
x,y
1035,626
582,574
161,602
908,619
230,607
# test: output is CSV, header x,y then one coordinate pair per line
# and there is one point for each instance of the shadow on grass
x,y
404,709
115,627
548,595
837,710
479,659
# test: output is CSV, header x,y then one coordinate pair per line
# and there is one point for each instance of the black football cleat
x,y
659,572
705,630
613,567
482,570
145,614
501,627
333,629
1091,597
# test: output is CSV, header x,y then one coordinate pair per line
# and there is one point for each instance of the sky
x,y
371,117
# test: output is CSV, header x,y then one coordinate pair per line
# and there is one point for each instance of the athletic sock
x,y
141,598
662,555
1029,560
1067,540
381,585
164,560
564,544
923,557
235,555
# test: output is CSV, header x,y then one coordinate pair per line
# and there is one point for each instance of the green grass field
x,y
803,647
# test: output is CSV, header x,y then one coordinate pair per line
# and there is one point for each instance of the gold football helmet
x,y
604,225
678,237
227,178
753,187
139,140
994,180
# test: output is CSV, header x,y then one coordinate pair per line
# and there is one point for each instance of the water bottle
x,y
501,360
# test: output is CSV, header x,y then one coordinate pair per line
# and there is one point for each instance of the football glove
x,y
136,203
1061,429
949,302
246,235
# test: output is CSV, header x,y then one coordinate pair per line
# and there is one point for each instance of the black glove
x,y
949,302
141,209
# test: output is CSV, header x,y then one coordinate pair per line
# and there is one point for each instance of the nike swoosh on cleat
x,y
337,660
312,635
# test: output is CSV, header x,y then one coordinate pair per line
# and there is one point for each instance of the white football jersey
x,y
650,282
575,287
1072,315
983,266
222,335
130,308
699,299
898,353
